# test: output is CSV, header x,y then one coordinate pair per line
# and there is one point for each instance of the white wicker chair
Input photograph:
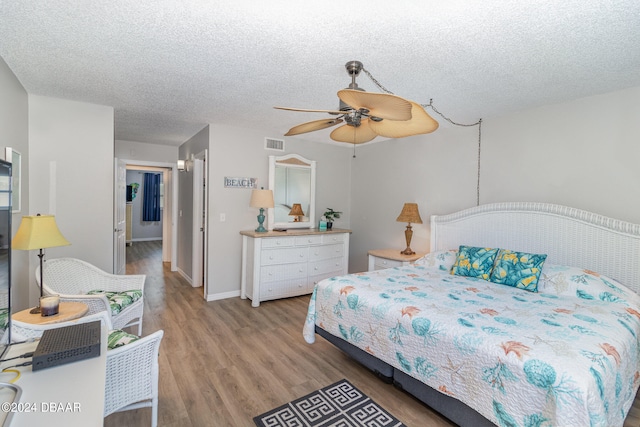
x,y
72,278
131,380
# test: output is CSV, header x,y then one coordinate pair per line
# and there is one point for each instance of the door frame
x,y
199,251
119,221
170,250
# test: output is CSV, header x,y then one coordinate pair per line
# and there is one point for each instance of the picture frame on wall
x,y
15,158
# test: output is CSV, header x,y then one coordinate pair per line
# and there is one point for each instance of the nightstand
x,y
387,258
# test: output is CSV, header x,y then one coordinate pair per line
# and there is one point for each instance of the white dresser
x,y
285,264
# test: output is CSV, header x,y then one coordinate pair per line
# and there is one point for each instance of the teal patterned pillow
x,y
119,301
118,338
474,262
518,269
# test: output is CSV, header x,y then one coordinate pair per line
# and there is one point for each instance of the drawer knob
x,y
270,257
301,255
315,268
309,240
300,285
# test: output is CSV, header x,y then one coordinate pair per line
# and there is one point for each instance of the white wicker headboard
x,y
568,236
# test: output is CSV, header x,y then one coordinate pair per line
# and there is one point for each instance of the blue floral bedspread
x,y
565,356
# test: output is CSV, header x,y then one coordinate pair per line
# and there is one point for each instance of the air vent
x,y
274,144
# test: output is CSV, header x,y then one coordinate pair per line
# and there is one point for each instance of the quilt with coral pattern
x,y
566,355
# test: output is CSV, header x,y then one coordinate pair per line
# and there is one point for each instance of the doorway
x,y
169,207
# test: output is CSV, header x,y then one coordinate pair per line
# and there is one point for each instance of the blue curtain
x,y
151,199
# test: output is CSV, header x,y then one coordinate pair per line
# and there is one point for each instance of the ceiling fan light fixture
x,y
367,115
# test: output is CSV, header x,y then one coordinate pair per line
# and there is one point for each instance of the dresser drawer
x,y
325,252
334,238
308,240
278,242
285,288
381,263
335,265
273,273
283,256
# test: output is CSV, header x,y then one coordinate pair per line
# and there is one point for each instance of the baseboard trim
x,y
185,276
223,295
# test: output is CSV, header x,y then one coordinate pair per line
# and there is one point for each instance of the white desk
x,y
67,395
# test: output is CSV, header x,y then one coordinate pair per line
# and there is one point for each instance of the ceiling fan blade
x,y
312,126
381,105
310,111
421,122
354,135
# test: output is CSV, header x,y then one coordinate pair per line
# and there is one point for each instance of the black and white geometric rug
x,y
337,405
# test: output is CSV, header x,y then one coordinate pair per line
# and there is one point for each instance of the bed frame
x,y
568,236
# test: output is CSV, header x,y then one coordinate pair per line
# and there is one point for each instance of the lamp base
x,y
408,233
261,228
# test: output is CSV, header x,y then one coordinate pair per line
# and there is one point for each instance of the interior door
x,y
119,217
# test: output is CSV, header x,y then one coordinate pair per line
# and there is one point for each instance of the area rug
x,y
337,405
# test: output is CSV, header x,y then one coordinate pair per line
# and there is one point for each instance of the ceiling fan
x,y
367,115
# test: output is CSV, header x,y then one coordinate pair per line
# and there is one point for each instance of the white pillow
x,y
442,260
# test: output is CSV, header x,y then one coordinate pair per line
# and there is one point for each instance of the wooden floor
x,y
224,362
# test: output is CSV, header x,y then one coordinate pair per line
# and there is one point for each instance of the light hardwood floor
x,y
224,362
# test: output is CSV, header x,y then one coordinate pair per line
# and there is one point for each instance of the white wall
x,y
237,152
582,154
14,132
71,147
145,152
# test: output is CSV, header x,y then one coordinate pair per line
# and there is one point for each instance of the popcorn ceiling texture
x,y
170,67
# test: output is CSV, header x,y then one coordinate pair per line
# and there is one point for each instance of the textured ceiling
x,y
170,67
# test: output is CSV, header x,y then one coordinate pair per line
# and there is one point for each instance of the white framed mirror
x,y
293,181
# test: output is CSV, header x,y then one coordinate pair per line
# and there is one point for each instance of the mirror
x,y
293,181
5,255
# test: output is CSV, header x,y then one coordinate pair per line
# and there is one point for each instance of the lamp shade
x,y
410,214
261,199
296,210
38,232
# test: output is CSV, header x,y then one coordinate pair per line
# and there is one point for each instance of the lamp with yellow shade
x,y
409,214
261,199
38,232
296,212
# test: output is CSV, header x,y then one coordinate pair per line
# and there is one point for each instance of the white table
x,y
67,395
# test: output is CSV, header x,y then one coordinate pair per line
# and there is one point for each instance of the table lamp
x,y
409,215
296,212
261,199
38,232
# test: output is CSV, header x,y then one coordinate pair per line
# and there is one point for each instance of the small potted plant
x,y
330,215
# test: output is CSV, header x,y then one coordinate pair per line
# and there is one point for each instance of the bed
x,y
482,353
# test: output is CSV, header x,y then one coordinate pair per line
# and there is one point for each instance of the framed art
x,y
15,158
